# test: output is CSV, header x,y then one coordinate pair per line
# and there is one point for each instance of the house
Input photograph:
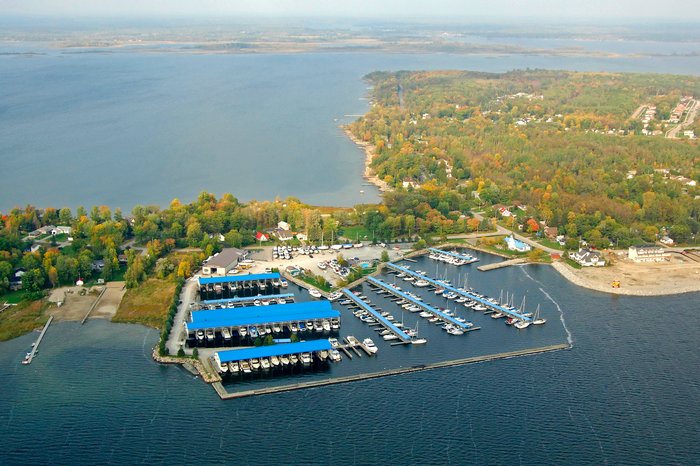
x,y
41,231
283,226
283,235
222,262
551,233
302,237
98,265
34,247
517,245
123,260
504,212
648,253
260,236
588,257
60,230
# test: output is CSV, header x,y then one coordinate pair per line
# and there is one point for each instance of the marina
x,y
463,326
234,286
451,257
390,326
248,300
488,304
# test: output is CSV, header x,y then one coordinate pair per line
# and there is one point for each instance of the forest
x,y
562,144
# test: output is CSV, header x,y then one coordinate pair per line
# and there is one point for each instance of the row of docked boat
x,y
255,331
453,258
234,304
366,317
247,366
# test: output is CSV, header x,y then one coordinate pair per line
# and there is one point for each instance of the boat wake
x,y
569,336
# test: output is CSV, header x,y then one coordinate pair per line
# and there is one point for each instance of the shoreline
x,y
654,288
368,174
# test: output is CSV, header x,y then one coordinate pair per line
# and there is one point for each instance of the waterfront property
x,y
588,257
223,262
242,326
264,358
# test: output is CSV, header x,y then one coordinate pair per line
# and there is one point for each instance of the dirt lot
x,y
641,279
77,301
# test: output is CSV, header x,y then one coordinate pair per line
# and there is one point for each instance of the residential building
x,y
283,226
262,237
59,230
588,257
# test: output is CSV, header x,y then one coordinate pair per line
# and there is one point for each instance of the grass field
x,y
148,304
23,318
356,232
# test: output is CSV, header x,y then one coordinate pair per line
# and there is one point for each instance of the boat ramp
x,y
436,312
467,294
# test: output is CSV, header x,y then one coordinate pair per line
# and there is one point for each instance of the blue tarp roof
x,y
247,298
274,350
238,278
255,315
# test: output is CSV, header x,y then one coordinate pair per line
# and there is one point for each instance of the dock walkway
x,y
225,395
396,292
29,359
498,265
380,318
466,294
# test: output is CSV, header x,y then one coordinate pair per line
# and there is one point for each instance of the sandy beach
x,y
369,175
647,279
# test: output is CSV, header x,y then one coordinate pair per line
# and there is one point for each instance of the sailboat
x,y
536,320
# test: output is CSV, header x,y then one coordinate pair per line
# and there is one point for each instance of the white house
x,y
284,226
224,261
59,230
588,258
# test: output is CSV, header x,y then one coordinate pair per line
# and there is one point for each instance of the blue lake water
x,y
626,393
131,128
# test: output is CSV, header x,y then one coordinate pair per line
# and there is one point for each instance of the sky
x,y
570,10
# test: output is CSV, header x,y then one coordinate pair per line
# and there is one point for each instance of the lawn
x,y
356,232
13,297
550,244
23,318
148,304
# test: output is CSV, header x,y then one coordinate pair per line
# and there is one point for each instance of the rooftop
x,y
258,315
226,257
273,350
239,278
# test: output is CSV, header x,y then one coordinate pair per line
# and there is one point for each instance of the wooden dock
x,y
225,395
499,265
30,358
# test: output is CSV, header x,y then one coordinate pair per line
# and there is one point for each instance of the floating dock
x,y
444,317
499,265
466,294
30,358
380,318
225,395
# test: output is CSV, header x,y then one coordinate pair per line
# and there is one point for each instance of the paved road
x,y
692,112
176,340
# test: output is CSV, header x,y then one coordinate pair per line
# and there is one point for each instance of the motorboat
x,y
326,325
497,315
323,355
293,359
318,327
390,337
245,367
284,360
275,361
200,335
226,332
283,283
419,341
265,363
210,335
243,332
314,293
369,344
255,364
253,332
334,342
233,367
521,324
281,301
335,355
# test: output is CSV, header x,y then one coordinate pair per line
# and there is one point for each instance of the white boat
x,y
226,333
369,344
210,334
275,361
243,332
253,332
318,327
335,296
255,364
200,335
334,342
390,337
537,320
479,307
283,283
326,325
521,324
419,341
233,367
284,360
245,367
293,327
498,315
281,301
323,354
276,328
335,355
293,359
455,331
421,283
265,363
314,293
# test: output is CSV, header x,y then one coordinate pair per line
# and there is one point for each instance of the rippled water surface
x,y
625,394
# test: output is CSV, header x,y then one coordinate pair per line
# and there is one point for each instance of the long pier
x,y
444,317
468,258
225,395
464,293
380,318
29,358
94,305
498,265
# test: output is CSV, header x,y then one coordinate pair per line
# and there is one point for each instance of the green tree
x,y
385,256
